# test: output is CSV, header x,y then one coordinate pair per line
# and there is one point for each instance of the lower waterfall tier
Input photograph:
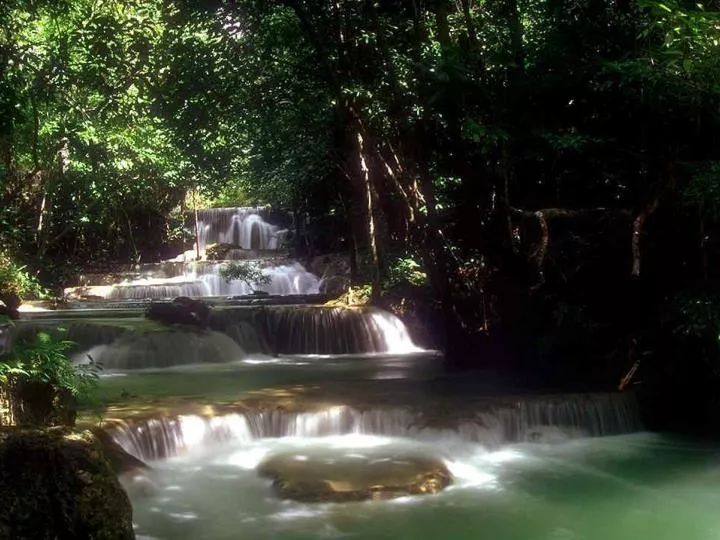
x,y
492,424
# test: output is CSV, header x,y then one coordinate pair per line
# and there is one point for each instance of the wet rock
x,y
56,485
182,310
356,476
219,252
134,475
334,284
334,272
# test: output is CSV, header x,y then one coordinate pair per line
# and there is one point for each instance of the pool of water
x,y
639,486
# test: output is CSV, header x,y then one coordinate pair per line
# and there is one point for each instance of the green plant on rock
x,y
44,359
40,384
248,272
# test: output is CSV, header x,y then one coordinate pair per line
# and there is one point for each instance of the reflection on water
x,y
630,487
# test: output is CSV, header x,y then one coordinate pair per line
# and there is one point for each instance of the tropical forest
x,y
371,269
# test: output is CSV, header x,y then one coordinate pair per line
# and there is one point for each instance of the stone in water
x,y
355,476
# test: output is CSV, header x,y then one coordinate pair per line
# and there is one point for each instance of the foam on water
x,y
629,487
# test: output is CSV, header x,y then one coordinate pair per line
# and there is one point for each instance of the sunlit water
x,y
640,486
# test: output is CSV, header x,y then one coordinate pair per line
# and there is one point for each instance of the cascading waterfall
x,y
233,335
529,419
160,349
200,280
242,226
330,330
256,241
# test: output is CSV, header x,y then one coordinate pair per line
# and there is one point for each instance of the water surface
x,y
639,486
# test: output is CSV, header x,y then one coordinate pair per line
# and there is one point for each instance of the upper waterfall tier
x,y
198,279
242,226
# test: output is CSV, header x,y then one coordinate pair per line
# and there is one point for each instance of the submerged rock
x,y
355,476
56,485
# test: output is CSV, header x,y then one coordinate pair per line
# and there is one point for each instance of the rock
x,y
219,252
36,403
134,475
334,284
8,311
354,477
182,310
56,484
334,272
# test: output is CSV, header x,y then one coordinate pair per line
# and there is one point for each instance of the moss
x,y
56,484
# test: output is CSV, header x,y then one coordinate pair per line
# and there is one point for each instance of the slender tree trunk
x,y
197,226
370,211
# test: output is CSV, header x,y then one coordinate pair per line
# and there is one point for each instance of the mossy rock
x,y
56,484
219,252
354,477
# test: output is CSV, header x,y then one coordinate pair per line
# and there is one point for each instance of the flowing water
x,y
631,487
256,240
262,334
205,408
243,226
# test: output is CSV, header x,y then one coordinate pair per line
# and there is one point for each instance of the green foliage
x,y
406,270
44,359
248,272
703,191
15,280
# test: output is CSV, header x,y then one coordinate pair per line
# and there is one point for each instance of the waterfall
x,y
198,280
233,334
333,330
256,241
242,226
537,419
163,348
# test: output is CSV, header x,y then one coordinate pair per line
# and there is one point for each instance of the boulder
x,y
182,310
355,476
56,485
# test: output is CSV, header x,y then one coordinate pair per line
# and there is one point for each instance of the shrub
x,y
41,381
249,272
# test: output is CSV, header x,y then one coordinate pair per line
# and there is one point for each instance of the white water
x,y
632,487
242,226
536,419
205,280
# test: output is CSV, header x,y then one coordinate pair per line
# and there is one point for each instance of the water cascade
x,y
242,226
235,333
322,330
203,279
160,349
495,423
245,234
